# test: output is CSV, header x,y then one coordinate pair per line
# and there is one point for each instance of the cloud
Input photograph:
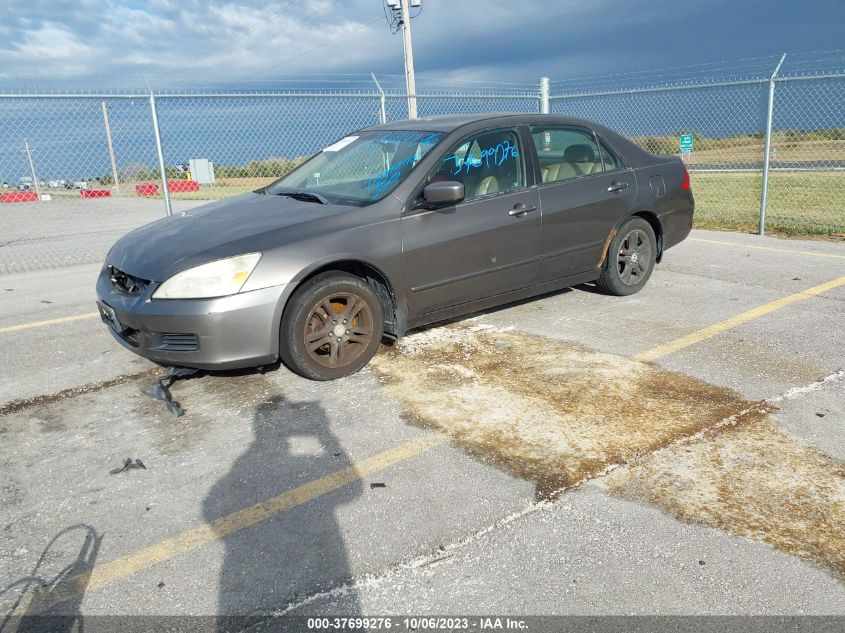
x,y
216,42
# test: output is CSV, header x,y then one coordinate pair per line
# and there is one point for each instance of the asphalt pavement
x,y
679,451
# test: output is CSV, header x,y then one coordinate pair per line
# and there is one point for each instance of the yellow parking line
x,y
169,548
66,319
794,251
191,539
717,328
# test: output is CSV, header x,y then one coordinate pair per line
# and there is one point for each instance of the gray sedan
x,y
390,228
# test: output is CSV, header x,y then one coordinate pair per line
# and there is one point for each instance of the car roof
x,y
445,123
452,122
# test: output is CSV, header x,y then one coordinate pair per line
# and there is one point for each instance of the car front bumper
x,y
237,331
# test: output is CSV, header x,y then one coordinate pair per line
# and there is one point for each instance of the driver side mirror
x,y
443,194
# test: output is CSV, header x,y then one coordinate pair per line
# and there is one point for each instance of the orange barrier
x,y
146,189
19,196
181,186
95,193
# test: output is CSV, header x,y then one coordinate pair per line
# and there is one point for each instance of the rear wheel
x,y
630,258
331,327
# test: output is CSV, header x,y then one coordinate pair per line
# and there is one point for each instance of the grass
x,y
815,152
799,203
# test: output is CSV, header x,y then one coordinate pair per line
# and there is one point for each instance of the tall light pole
x,y
410,80
403,8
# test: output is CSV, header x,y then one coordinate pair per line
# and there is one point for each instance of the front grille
x,y
126,283
179,343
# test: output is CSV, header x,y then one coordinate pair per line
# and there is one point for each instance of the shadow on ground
x,y
278,561
50,596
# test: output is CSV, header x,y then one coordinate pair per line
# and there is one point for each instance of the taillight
x,y
685,185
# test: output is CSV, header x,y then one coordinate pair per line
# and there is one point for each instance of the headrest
x,y
579,154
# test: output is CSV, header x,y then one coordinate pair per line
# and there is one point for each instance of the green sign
x,y
686,142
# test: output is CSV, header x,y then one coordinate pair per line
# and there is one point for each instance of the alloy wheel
x,y
338,330
634,257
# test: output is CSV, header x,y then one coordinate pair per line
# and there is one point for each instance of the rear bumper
x,y
677,223
231,332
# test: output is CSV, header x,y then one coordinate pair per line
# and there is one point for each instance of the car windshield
x,y
357,169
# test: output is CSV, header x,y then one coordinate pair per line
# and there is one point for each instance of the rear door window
x,y
566,152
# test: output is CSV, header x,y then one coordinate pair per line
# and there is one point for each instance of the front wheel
x,y
331,327
630,259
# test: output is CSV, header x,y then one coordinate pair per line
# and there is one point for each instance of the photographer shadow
x,y
295,553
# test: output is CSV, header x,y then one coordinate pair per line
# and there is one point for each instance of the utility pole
x,y
28,151
401,14
410,80
111,148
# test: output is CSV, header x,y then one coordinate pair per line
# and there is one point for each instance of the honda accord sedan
x,y
390,228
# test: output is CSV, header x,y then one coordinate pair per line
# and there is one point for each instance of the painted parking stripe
x,y
34,324
743,317
191,539
169,548
775,249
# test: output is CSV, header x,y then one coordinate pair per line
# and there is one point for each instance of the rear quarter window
x,y
612,160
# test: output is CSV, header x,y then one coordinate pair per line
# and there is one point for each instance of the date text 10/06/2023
x,y
417,623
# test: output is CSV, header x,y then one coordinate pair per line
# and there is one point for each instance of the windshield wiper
x,y
305,196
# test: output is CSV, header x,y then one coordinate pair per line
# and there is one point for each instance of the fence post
x,y
111,147
383,111
768,145
35,184
544,95
164,189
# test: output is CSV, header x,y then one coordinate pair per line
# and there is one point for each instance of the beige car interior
x,y
494,178
578,160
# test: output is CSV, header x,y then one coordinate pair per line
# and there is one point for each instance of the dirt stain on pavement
x,y
558,414
753,481
549,411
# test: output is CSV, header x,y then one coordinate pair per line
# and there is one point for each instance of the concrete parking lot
x,y
679,451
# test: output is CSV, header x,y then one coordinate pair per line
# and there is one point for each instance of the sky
x,y
337,43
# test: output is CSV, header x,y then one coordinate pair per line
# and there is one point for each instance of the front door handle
x,y
617,186
519,209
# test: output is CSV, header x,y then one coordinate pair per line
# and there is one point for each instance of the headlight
x,y
214,279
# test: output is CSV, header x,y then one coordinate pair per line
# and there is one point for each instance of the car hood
x,y
248,223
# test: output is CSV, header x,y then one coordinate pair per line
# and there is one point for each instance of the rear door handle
x,y
519,209
617,186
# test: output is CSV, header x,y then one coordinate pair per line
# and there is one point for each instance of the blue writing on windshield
x,y
383,181
489,157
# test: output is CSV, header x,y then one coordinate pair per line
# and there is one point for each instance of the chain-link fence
x,y
725,122
806,188
85,146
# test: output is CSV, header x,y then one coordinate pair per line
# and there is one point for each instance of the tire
x,y
316,342
630,259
